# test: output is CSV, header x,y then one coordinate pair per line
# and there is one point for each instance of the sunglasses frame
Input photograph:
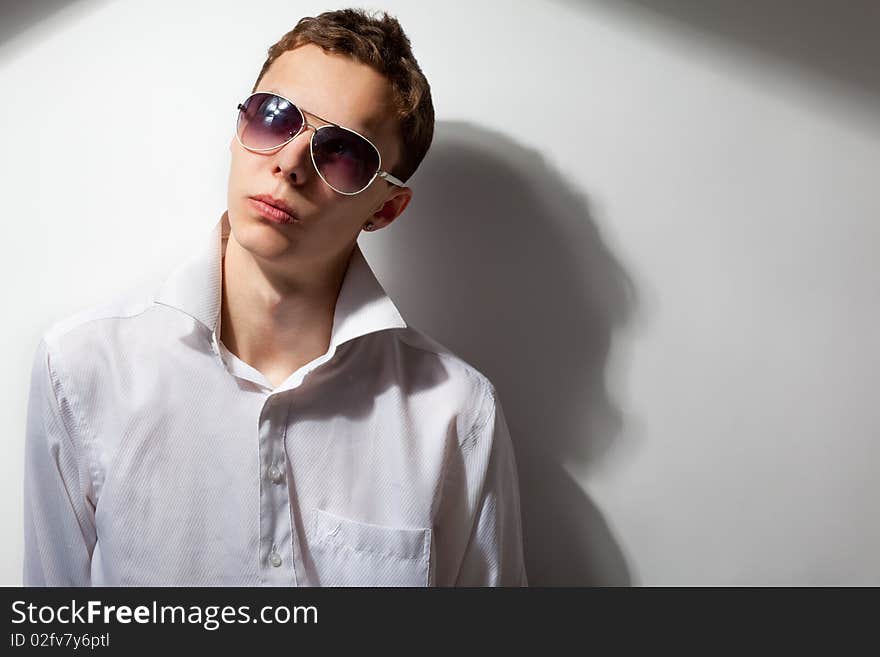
x,y
306,125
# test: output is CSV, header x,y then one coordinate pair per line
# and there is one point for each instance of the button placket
x,y
275,527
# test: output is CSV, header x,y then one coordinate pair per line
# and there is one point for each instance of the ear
x,y
393,207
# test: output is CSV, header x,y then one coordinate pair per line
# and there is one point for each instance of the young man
x,y
266,416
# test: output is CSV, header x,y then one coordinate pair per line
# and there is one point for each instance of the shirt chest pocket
x,y
351,553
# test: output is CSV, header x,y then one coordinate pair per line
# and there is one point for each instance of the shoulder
x,y
92,329
420,343
458,380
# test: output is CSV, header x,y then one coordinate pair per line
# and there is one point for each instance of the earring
x,y
368,226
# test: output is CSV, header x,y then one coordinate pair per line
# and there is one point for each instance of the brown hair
x,y
380,43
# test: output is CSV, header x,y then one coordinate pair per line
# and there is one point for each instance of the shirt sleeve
x,y
59,518
494,552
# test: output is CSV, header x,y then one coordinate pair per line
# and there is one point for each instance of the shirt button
x,y
275,475
275,559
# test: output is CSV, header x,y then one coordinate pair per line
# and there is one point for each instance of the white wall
x,y
654,225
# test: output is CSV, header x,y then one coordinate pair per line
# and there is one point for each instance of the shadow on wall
x,y
19,19
835,42
498,258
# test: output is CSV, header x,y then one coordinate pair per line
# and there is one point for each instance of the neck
x,y
278,319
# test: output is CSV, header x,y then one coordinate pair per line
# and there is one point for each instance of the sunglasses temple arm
x,y
394,181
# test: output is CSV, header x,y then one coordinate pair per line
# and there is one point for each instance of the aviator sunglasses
x,y
347,161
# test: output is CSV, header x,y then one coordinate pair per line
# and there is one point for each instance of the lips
x,y
276,203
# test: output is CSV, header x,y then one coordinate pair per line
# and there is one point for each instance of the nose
x,y
294,159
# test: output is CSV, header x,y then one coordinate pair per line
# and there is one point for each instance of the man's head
x,y
353,70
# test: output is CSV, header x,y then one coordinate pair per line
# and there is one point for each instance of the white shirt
x,y
156,457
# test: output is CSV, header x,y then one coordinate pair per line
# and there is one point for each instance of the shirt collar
x,y
195,288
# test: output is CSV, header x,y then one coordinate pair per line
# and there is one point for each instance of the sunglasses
x,y
347,161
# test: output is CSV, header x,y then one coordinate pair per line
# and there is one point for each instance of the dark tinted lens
x,y
267,121
346,160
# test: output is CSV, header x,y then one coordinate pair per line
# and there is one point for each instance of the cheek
x,y
362,206
346,215
242,169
